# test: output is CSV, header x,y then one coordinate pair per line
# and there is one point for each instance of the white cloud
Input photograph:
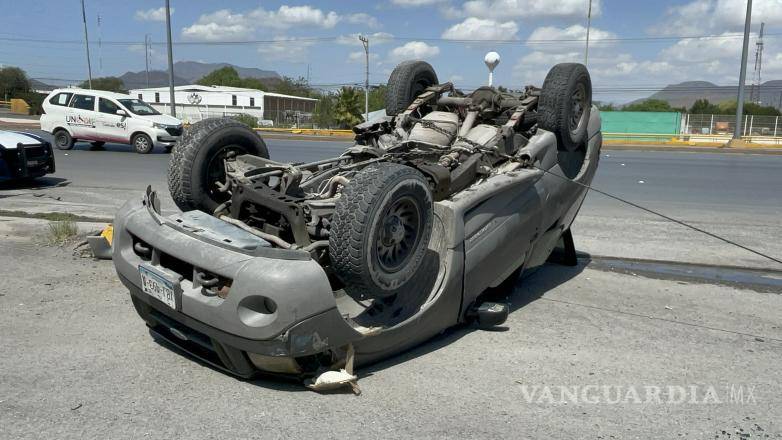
x,y
527,9
481,29
225,25
413,50
568,39
222,25
699,16
375,39
416,3
362,18
359,57
158,14
285,49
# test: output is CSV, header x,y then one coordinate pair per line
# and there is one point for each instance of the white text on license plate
x,y
157,287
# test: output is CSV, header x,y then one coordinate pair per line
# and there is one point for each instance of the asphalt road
x,y
734,195
78,363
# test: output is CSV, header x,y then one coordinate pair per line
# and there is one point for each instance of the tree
x,y
704,107
606,107
348,108
13,82
377,98
224,76
750,108
324,111
649,105
295,87
108,83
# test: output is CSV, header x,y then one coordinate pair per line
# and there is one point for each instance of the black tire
x,y
566,104
63,140
196,162
384,209
408,80
142,144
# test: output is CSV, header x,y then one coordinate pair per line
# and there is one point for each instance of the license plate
x,y
158,287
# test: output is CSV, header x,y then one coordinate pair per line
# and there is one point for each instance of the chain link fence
x,y
726,125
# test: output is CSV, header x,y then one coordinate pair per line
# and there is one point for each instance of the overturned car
x,y
291,268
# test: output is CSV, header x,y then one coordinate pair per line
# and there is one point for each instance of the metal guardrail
x,y
689,139
652,138
308,131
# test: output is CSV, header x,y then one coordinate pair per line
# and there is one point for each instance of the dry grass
x,y
60,232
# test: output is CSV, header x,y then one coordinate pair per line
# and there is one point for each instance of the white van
x,y
97,116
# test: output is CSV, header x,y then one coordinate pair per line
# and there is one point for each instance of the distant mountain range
x,y
686,93
185,72
188,72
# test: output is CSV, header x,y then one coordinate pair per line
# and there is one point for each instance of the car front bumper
x,y
236,333
26,161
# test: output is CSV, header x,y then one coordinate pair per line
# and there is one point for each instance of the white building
x,y
195,102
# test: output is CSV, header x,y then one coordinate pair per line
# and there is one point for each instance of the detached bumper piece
x,y
29,160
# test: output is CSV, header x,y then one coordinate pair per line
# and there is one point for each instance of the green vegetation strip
x,y
54,216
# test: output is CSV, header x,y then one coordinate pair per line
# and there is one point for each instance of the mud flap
x,y
565,252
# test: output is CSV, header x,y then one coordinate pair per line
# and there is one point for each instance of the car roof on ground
x,y
100,93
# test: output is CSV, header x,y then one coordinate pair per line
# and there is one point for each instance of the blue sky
x,y
401,29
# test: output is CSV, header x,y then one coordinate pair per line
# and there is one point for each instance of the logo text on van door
x,y
80,121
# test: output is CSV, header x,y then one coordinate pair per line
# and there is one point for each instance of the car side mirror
x,y
121,112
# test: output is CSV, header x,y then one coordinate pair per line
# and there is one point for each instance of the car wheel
x,y
408,80
63,140
142,144
196,165
380,230
566,104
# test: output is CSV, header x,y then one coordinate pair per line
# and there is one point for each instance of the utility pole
x,y
170,60
743,73
365,42
87,43
589,27
100,49
755,94
146,55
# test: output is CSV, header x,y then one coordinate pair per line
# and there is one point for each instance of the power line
x,y
665,217
399,38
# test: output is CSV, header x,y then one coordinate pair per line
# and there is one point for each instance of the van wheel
x,y
196,168
63,140
408,80
565,105
142,143
380,230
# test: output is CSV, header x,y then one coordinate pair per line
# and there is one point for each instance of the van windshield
x,y
138,107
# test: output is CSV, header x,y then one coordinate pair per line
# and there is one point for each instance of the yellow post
x,y
19,106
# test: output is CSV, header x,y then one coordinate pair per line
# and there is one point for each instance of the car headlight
x,y
160,126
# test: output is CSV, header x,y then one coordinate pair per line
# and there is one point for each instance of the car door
x,y
81,116
111,126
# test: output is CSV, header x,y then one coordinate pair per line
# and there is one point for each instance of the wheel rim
x,y
398,234
61,140
578,108
142,144
215,170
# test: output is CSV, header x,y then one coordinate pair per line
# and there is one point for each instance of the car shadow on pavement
x,y
528,288
38,183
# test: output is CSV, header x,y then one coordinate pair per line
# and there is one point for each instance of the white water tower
x,y
492,59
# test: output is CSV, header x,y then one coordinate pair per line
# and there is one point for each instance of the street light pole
x,y
170,60
589,28
87,43
365,42
743,73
